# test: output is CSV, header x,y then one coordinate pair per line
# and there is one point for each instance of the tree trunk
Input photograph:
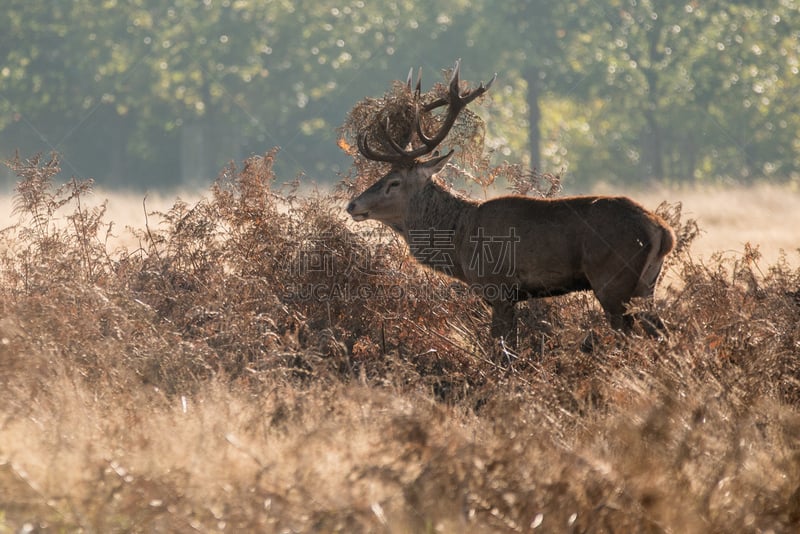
x,y
531,76
118,153
193,152
653,149
198,144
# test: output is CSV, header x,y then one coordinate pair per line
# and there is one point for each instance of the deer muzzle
x,y
356,213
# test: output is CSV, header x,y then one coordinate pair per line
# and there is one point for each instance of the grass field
x,y
186,382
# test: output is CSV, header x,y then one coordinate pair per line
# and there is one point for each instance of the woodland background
x,y
145,94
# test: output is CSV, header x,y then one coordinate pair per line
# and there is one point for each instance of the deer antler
x,y
455,102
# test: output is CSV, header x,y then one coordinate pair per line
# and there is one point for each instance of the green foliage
x,y
704,87
145,94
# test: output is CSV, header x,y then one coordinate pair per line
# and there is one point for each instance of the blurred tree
x,y
145,94
748,100
675,100
532,44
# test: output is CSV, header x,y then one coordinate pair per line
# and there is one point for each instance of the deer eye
x,y
392,185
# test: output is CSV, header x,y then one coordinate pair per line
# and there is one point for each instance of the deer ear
x,y
434,165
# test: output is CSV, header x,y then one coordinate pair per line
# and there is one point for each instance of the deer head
x,y
387,199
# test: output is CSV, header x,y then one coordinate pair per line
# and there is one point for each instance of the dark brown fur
x,y
513,248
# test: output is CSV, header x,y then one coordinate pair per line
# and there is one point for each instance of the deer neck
x,y
435,207
434,224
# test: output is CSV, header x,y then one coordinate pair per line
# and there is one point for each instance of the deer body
x,y
513,248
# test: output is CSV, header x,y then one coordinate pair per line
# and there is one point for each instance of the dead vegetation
x,y
260,364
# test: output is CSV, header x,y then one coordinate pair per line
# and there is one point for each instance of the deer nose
x,y
351,207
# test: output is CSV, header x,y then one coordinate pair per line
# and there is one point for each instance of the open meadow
x,y
250,360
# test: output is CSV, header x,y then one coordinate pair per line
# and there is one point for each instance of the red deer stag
x,y
513,247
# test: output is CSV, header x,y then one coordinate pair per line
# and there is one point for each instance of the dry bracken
x,y
198,382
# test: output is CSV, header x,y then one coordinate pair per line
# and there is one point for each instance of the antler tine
x,y
410,79
370,154
454,81
478,91
401,151
455,103
472,94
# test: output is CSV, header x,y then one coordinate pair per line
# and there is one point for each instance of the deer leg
x,y
503,321
651,323
618,282
613,302
618,319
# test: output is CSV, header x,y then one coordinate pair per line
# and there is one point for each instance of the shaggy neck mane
x,y
436,207
434,225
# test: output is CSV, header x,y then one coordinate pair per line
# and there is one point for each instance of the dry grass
x,y
186,383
